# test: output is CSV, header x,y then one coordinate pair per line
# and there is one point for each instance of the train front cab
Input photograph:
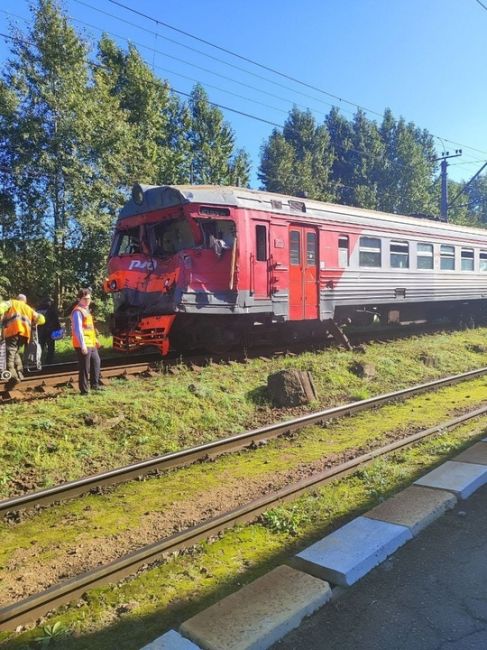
x,y
181,260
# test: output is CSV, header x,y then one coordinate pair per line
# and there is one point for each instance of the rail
x,y
187,456
38,604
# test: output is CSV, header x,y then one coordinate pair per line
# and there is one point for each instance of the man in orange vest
x,y
85,343
17,328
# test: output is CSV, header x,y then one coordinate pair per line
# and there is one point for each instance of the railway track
x,y
53,377
202,452
64,592
35,385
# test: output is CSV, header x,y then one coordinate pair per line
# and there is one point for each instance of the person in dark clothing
x,y
52,324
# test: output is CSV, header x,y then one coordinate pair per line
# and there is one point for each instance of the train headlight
x,y
113,285
137,194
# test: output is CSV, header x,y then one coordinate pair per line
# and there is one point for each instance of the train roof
x,y
157,197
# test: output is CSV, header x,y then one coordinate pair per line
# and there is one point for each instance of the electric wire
x,y
334,146
190,64
154,50
394,163
273,70
201,52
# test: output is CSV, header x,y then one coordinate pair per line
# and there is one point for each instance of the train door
x,y
303,273
259,260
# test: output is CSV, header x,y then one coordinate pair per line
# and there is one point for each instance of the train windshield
x,y
127,242
168,237
221,229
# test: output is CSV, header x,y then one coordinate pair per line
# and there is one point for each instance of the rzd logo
x,y
147,265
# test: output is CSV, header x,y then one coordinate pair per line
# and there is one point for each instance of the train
x,y
202,267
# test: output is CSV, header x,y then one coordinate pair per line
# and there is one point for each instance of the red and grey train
x,y
209,267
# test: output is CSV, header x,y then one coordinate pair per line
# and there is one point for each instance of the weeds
x,y
285,520
51,633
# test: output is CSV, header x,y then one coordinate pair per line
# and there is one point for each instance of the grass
x,y
48,441
131,613
167,413
125,508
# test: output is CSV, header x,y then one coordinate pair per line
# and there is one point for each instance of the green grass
x,y
64,349
131,613
48,441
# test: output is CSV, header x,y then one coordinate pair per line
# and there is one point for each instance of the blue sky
x,y
424,59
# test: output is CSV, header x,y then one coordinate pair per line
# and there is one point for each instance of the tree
x,y
48,77
299,160
212,144
406,182
157,121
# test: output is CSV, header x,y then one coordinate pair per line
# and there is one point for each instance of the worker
x,y
17,328
85,343
50,327
4,305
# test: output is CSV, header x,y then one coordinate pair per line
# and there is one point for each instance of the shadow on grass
x,y
259,396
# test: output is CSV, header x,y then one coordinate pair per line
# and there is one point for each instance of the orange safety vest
x,y
18,319
88,327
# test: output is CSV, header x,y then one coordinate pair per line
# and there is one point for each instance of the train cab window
x,y
370,252
483,261
311,249
170,236
343,251
128,242
294,248
425,258
467,259
222,230
447,258
261,243
399,254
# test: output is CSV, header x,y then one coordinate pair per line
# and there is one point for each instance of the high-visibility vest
x,y
88,327
19,318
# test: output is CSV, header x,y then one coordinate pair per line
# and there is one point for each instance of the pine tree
x,y
212,140
299,160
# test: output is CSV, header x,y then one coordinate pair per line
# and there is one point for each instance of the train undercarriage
x,y
218,334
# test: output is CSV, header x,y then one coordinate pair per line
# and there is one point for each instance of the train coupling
x,y
150,331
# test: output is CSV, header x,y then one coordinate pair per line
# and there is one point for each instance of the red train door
x,y
303,273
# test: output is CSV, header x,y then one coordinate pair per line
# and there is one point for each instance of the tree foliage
x,y
76,130
79,127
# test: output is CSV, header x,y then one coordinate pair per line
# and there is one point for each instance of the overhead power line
x,y
188,63
157,21
243,58
365,154
233,80
482,5
202,53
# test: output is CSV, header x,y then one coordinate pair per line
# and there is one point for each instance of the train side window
x,y
399,254
261,243
467,259
294,248
483,260
343,251
311,249
447,258
370,252
425,258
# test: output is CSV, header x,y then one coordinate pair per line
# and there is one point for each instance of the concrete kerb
x,y
342,558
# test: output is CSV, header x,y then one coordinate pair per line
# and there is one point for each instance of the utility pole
x,y
444,181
